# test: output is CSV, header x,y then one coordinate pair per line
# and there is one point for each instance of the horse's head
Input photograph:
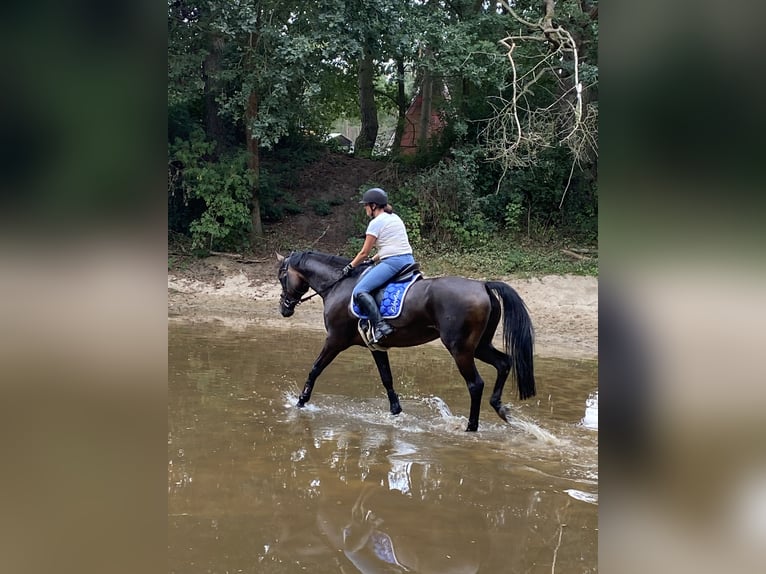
x,y
294,286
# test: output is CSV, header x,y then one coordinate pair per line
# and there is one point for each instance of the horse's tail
x,y
518,337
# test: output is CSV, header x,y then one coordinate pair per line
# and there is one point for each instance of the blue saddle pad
x,y
391,300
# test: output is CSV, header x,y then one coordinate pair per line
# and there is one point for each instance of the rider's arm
x,y
369,243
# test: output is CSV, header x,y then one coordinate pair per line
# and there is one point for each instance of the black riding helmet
x,y
375,195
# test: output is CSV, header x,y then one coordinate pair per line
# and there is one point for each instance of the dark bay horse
x,y
463,313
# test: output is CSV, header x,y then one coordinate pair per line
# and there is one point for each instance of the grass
x,y
491,257
505,256
500,255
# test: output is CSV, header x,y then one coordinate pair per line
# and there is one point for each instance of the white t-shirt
x,y
391,235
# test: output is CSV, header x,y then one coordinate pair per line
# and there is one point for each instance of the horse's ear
x,y
280,258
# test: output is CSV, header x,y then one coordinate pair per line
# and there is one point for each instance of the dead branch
x,y
518,132
320,237
239,257
574,255
229,255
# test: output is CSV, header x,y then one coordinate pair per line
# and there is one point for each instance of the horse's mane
x,y
325,258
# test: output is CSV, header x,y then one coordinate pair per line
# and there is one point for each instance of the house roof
x,y
340,138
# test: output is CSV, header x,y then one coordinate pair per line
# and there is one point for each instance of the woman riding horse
x,y
463,313
387,232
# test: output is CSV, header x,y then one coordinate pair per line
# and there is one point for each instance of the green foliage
x,y
353,246
275,204
529,198
504,254
298,63
405,204
321,207
462,202
513,215
439,203
224,186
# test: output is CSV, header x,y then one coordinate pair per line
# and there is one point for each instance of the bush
x,y
223,185
439,203
275,203
320,207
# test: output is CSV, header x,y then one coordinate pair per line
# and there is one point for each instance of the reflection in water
x,y
256,485
377,537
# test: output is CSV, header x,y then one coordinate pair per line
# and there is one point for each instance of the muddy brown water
x,y
258,485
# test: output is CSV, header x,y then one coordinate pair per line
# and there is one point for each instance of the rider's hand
x,y
346,271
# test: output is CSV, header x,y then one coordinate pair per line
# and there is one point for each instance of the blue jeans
x,y
382,272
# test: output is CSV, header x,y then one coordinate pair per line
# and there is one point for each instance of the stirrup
x,y
380,332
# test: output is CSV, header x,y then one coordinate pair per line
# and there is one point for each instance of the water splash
x,y
590,420
536,431
290,399
436,418
444,420
439,405
589,497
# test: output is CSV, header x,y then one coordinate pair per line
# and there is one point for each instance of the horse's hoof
x,y
300,404
472,428
396,409
503,413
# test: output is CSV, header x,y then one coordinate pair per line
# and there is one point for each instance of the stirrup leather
x,y
367,332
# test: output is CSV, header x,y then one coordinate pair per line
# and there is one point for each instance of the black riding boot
x,y
369,307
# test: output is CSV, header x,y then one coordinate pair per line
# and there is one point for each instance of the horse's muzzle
x,y
286,311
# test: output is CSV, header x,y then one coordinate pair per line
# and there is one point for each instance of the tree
x,y
368,110
250,73
549,103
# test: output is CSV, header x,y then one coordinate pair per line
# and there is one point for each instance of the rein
x,y
313,295
293,303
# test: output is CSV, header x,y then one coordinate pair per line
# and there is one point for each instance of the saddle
x,y
390,296
407,273
390,299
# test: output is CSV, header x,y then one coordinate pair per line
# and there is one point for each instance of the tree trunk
x,y
401,104
425,110
214,127
253,164
367,109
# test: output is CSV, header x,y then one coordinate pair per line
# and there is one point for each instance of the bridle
x,y
292,301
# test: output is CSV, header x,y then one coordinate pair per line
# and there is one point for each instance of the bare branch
x,y
321,236
518,131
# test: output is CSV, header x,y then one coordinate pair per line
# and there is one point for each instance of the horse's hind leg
x,y
487,353
384,368
326,356
467,367
475,384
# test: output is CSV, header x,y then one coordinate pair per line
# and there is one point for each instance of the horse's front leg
x,y
384,368
331,349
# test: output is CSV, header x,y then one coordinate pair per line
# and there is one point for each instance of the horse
x,y
464,313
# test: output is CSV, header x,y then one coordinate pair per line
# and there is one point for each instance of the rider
x,y
386,231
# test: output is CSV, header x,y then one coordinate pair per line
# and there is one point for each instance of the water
x,y
257,485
